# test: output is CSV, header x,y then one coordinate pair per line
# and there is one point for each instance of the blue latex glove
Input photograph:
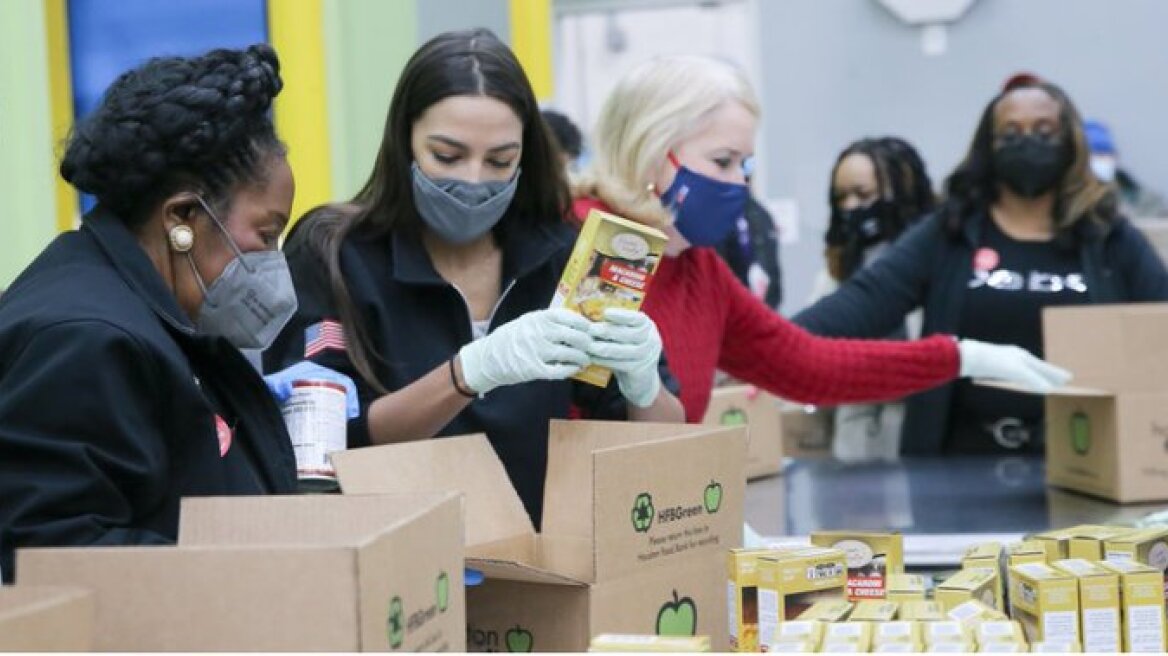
x,y
280,383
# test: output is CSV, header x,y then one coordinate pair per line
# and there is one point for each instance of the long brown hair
x,y
468,62
1079,196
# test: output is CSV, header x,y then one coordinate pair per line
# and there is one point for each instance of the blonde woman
x,y
671,142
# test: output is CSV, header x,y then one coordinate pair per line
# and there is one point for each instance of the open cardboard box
x,y
292,573
1107,435
637,521
45,618
739,405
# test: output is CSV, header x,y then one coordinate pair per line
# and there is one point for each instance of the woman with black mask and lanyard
x,y
1024,226
877,189
122,386
431,287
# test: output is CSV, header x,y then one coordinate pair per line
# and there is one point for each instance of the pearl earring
x,y
182,238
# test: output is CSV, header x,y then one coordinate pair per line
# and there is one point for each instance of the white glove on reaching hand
x,y
541,345
1011,364
628,343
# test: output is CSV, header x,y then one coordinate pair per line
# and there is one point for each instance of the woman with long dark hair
x,y
1024,225
430,286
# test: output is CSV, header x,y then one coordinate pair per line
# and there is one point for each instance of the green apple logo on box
x,y
713,497
519,640
397,623
733,417
443,592
678,617
643,512
1080,433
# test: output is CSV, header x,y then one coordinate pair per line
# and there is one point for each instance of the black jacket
x,y
417,321
108,402
930,267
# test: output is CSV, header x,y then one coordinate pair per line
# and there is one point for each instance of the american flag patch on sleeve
x,y
320,337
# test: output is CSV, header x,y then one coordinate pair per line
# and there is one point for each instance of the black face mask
x,y
1030,165
858,229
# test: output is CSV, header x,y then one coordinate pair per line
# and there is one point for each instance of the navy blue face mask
x,y
705,210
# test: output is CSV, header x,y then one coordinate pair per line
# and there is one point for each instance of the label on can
x,y
316,417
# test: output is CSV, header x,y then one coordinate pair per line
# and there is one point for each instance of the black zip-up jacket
x,y
417,321
109,400
930,267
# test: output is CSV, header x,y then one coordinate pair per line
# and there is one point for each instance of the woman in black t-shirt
x,y
1024,226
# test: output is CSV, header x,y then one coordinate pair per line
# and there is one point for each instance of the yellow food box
x,y
1045,601
827,611
973,613
857,633
611,266
897,648
796,632
1026,551
921,611
843,647
905,587
1057,543
964,646
1142,603
874,611
742,591
989,555
1003,647
790,582
979,584
1088,543
871,558
796,647
945,631
1099,604
1056,647
899,631
615,642
999,631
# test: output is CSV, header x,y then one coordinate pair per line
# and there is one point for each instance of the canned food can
x,y
315,414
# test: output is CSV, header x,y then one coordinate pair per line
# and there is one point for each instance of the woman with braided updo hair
x,y
122,386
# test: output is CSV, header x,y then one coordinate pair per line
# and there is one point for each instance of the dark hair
x,y
470,62
567,135
973,186
902,181
177,122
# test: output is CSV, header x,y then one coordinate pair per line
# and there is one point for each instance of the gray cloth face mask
x,y
458,211
251,301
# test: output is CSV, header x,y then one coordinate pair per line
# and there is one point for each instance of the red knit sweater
x,y
708,321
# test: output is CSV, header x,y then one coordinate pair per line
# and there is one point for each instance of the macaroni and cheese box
x,y
999,631
980,584
611,266
795,632
1149,547
1027,551
989,555
742,593
615,642
1055,647
905,587
1098,603
973,614
872,557
1045,601
790,582
857,633
945,631
898,631
1088,543
1142,604
921,611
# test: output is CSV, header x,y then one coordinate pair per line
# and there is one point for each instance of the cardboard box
x,y
979,584
921,611
1142,600
857,632
1057,543
1026,551
790,583
46,618
1055,647
990,555
1003,647
796,647
897,648
794,632
872,610
999,631
828,611
279,573
742,593
871,558
1088,544
611,266
613,642
637,521
945,631
807,431
973,614
759,412
905,587
1107,435
898,631
1147,546
1045,601
951,647
1098,603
